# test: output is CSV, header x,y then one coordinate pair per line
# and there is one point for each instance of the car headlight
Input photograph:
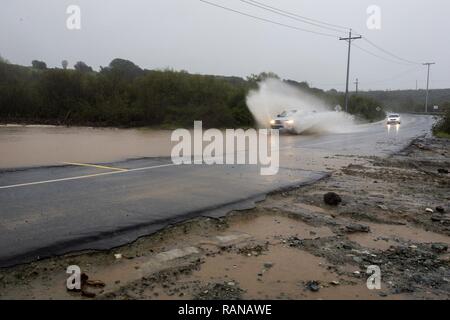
x,y
290,122
272,121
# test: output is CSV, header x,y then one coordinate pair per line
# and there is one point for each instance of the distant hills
x,y
410,100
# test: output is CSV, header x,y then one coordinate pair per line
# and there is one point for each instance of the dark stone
x,y
439,247
440,209
436,218
353,228
443,171
332,199
313,286
347,246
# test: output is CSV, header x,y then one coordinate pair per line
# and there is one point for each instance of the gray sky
x,y
191,35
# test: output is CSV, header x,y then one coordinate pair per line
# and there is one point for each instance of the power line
x,y
397,76
381,57
299,16
317,22
288,15
292,15
389,53
267,20
394,77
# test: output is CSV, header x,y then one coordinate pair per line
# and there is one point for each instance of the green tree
x,y
82,67
365,108
125,68
40,65
3,60
262,76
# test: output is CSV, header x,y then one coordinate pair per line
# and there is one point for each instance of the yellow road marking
x,y
95,166
123,171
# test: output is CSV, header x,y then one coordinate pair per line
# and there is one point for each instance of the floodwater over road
x,y
30,146
34,146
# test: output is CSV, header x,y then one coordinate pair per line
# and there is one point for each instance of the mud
x,y
291,246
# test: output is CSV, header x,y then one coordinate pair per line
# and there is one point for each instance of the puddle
x,y
391,232
265,227
286,279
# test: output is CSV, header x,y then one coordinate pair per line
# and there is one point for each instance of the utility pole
x,y
357,84
349,39
428,64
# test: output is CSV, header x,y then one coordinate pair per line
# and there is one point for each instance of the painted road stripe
x,y
126,170
85,176
94,166
145,168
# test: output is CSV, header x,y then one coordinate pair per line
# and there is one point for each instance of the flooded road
x,y
35,146
114,202
32,146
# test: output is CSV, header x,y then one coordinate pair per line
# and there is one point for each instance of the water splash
x,y
313,115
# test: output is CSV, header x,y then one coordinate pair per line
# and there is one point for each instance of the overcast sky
x,y
191,35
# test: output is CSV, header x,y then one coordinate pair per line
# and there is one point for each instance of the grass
x,y
441,134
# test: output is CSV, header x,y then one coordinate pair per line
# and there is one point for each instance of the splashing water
x,y
313,116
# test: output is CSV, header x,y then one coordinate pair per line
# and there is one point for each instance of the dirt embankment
x,y
392,213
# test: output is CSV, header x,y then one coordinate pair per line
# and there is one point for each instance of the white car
x,y
394,119
284,121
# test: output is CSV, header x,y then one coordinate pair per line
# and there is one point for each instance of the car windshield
x,y
394,116
288,113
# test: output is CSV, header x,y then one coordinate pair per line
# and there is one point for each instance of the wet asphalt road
x,y
54,210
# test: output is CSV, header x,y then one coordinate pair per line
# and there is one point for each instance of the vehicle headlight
x,y
290,122
272,121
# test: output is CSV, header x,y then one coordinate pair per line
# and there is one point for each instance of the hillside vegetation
x,y
442,127
410,100
123,94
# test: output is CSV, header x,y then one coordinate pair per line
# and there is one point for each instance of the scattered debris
x,y
440,209
354,228
95,283
439,247
219,291
313,286
85,284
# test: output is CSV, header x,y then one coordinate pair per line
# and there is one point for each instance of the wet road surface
x,y
53,210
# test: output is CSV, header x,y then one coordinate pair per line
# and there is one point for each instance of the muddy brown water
x,y
383,236
38,145
26,146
